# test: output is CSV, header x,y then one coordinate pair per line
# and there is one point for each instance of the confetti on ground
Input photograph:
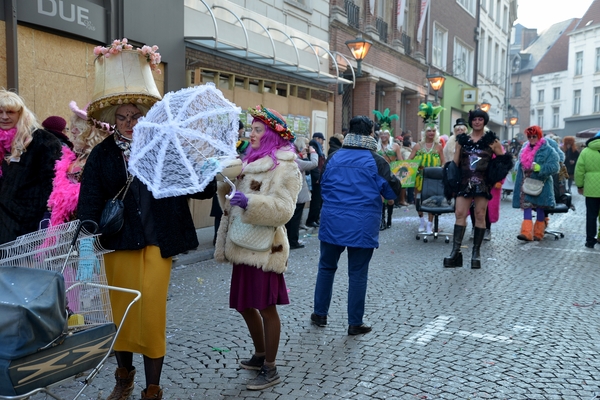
x,y
220,350
200,280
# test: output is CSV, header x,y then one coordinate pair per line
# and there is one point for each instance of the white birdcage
x,y
78,255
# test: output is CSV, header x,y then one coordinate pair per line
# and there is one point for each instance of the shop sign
x,y
78,17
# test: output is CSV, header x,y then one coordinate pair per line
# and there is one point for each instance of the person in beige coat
x,y
266,194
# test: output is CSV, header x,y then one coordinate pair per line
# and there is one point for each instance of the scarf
x,y
360,141
6,138
123,143
528,154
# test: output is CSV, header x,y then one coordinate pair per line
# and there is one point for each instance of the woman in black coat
x,y
27,157
154,230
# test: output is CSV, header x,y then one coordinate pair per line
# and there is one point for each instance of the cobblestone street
x,y
525,326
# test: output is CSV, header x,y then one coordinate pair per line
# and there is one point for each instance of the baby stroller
x,y
55,315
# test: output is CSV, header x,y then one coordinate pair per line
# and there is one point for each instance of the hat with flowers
x,y
273,120
123,76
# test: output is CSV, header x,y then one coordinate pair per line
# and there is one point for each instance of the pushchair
x,y
55,317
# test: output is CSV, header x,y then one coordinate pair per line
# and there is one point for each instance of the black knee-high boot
x,y
382,225
390,208
455,259
477,239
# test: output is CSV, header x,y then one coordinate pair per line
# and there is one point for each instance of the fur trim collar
x,y
528,154
487,140
360,141
266,163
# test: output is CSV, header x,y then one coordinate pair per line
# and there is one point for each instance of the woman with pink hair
x,y
266,194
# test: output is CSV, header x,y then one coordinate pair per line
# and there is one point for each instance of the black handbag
x,y
111,220
451,179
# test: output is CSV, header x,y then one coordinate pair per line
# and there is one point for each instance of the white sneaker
x,y
488,235
422,226
429,229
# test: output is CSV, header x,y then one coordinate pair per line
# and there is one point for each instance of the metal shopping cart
x,y
55,317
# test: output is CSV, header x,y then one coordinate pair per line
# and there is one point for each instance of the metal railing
x,y
382,29
407,44
353,13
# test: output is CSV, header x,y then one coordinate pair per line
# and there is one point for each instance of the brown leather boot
x,y
526,230
538,230
152,392
124,385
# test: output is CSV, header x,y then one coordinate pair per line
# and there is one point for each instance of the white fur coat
x,y
272,195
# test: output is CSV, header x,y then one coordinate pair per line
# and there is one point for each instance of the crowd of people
x,y
51,173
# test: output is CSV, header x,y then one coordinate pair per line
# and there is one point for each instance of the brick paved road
x,y
508,331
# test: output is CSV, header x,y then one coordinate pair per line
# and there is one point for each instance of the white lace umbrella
x,y
178,147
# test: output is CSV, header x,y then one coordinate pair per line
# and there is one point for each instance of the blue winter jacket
x,y
352,185
548,158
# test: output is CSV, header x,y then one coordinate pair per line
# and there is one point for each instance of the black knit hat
x,y
361,125
478,113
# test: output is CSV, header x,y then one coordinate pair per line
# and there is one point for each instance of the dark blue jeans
x,y
358,273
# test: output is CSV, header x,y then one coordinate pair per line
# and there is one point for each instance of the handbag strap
x,y
126,187
127,183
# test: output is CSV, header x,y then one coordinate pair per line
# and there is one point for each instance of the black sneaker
x,y
294,246
254,363
266,378
318,320
590,245
358,329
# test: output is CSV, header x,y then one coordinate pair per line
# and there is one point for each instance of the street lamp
x,y
513,121
359,48
485,106
436,81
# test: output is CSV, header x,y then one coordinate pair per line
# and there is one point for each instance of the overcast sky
x,y
541,14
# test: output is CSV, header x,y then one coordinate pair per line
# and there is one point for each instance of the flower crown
x,y
273,120
117,46
429,113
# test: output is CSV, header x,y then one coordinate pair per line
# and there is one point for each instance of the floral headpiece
x,y
429,113
149,52
274,120
385,119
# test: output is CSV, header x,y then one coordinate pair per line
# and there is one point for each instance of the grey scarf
x,y
360,141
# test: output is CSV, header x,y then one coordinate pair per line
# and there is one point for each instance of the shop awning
x,y
249,37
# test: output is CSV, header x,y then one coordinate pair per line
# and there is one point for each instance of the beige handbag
x,y
249,236
533,187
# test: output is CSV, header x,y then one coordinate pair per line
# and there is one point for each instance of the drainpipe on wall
x,y
12,60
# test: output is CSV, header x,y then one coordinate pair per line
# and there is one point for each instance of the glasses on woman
x,y
531,136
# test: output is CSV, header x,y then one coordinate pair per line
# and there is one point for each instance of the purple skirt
x,y
251,287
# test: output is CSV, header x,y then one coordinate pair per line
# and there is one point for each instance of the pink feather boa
x,y
528,154
65,194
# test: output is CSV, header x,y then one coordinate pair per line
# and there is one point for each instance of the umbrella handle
x,y
230,195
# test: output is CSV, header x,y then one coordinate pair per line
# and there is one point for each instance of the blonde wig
x,y
436,138
301,142
26,124
389,146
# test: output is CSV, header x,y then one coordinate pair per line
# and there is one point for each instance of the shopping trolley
x,y
56,322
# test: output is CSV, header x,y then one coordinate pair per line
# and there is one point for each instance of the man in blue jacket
x,y
354,180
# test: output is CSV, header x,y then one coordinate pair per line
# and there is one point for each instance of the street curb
x,y
193,257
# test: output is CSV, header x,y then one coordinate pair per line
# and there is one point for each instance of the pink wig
x,y
270,142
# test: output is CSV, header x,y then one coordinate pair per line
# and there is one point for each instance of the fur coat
x,y
547,158
25,186
272,194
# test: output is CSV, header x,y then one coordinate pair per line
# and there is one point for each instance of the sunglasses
x,y
531,136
